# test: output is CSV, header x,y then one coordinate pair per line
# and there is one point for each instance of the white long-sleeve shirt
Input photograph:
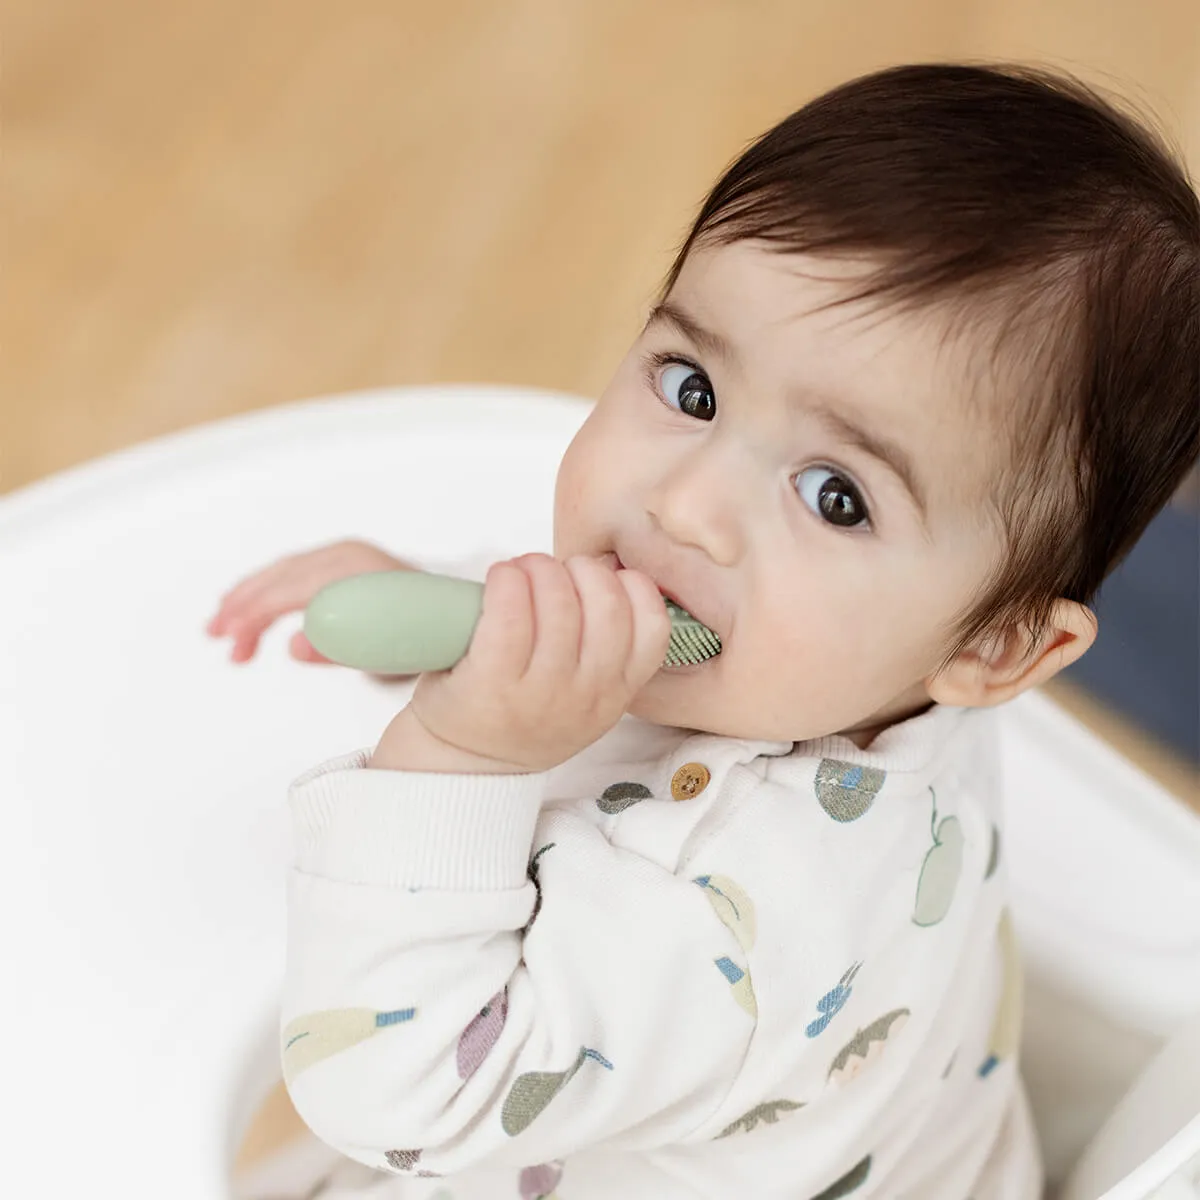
x,y
677,966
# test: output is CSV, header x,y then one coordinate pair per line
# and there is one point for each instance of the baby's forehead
x,y
932,380
947,410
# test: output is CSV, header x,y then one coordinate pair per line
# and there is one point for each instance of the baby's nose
x,y
693,508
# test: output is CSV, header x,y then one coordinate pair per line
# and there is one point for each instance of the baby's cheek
x,y
570,507
580,490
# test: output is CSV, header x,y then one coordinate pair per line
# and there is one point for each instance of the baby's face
x,y
721,462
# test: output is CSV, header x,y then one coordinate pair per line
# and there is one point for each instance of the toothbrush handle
x,y
395,622
406,622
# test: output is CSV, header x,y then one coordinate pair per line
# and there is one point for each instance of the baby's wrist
x,y
407,745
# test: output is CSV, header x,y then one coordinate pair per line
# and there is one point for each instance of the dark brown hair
x,y
1021,196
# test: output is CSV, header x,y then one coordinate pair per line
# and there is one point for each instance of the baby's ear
x,y
992,673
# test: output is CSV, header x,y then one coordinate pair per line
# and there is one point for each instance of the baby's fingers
x,y
503,640
255,606
246,636
607,635
558,619
651,628
299,647
245,595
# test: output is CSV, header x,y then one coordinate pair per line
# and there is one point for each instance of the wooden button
x,y
690,780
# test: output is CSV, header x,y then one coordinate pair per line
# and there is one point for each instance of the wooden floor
x,y
212,206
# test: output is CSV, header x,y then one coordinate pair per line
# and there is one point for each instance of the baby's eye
x,y
690,389
836,499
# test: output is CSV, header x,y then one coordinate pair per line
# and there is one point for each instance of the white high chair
x,y
146,840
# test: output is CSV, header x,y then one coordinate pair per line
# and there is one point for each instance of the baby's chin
x,y
662,702
687,698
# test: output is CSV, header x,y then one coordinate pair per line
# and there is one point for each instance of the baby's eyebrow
x,y
836,416
883,449
706,339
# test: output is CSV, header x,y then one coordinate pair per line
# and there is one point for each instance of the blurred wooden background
x,y
212,206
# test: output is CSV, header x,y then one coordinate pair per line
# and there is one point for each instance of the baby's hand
x,y
559,653
287,586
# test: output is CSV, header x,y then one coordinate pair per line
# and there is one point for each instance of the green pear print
x,y
850,1182
617,797
846,790
767,1112
316,1036
535,1089
940,871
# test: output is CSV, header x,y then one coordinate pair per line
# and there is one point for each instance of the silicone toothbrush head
x,y
691,641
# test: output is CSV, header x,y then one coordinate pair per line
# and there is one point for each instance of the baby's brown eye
x,y
836,500
690,390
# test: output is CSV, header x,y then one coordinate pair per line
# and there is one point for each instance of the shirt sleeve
x,y
474,979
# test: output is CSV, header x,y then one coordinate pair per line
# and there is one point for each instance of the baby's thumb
x,y
301,648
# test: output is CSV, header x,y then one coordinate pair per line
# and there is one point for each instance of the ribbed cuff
x,y
413,828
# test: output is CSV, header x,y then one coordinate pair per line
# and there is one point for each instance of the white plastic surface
x,y
1105,871
145,839
1152,1134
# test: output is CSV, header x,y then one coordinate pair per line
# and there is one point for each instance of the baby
x,y
587,927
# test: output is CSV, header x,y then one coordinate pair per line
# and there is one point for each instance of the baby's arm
x,y
411,907
443,1011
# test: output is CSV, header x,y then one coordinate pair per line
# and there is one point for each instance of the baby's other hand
x,y
258,601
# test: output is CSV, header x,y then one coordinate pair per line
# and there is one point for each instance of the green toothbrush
x,y
406,622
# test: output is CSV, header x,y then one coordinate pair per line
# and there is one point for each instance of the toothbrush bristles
x,y
691,641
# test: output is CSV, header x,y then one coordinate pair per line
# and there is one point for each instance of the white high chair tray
x,y
147,842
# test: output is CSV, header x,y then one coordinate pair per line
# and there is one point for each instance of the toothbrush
x,y
406,622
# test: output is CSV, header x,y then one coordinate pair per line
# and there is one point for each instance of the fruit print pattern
x,y
940,871
402,1160
845,790
617,797
1005,1037
866,1046
482,1034
538,1183
735,910
767,1112
993,855
316,1036
850,1182
833,1002
534,1090
739,983
537,887
406,1160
